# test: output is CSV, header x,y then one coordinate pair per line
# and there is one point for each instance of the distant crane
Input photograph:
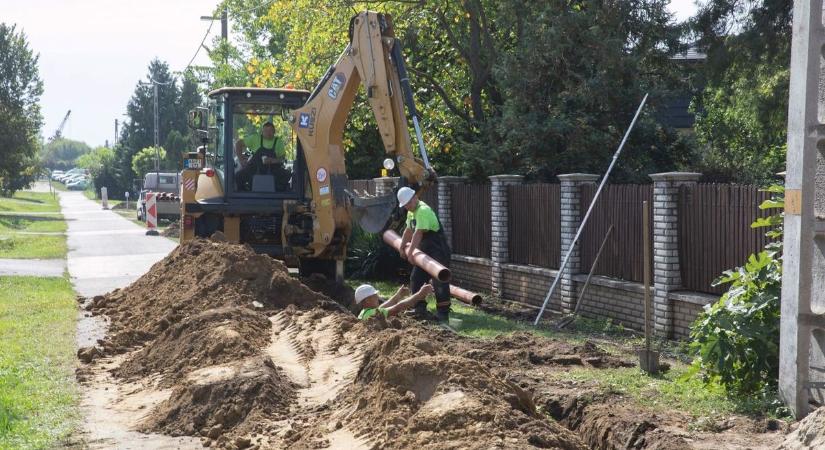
x,y
59,132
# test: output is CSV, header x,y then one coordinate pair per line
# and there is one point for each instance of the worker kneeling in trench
x,y
368,299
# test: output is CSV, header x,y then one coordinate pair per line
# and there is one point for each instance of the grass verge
x,y
38,396
23,246
30,202
31,212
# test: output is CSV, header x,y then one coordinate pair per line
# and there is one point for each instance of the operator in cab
x,y
424,232
366,296
268,156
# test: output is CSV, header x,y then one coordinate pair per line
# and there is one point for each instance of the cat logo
x,y
336,85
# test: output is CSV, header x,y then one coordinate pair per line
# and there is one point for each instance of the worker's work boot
x,y
421,311
442,314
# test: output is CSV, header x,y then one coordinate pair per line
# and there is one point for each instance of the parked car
x,y
71,178
79,184
55,174
71,173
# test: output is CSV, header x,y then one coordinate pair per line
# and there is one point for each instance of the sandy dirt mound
x,y
172,230
410,392
212,337
213,400
810,433
195,277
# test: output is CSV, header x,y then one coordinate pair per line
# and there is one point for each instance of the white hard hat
x,y
404,195
364,291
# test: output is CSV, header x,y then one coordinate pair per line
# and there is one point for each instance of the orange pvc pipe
x,y
420,259
470,298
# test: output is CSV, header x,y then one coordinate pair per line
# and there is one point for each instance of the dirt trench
x,y
219,346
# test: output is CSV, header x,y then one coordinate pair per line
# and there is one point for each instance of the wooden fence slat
x,y
714,231
472,230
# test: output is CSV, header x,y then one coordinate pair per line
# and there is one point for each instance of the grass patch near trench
x,y
38,395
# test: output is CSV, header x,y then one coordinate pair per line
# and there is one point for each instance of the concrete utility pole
x,y
802,323
157,130
116,123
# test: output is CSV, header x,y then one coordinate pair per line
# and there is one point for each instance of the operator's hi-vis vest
x,y
434,242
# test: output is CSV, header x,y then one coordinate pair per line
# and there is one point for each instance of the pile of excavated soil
x,y
413,391
810,433
198,276
215,336
172,230
241,354
214,399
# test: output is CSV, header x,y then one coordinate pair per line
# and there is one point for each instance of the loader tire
x,y
309,266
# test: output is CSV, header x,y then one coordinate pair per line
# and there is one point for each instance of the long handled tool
x,y
566,321
589,210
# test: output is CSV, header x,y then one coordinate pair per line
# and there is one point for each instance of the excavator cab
x,y
272,172
236,184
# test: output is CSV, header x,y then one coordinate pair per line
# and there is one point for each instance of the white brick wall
x,y
667,275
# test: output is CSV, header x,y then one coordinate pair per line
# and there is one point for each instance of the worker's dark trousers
x,y
255,165
435,246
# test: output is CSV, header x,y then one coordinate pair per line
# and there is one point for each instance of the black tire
x,y
207,224
309,266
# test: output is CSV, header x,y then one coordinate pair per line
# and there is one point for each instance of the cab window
x,y
263,149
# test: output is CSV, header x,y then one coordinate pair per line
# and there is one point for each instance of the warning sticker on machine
x,y
324,190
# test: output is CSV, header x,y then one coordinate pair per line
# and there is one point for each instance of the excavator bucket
x,y
372,212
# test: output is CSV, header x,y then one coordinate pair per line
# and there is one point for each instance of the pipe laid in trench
x,y
470,298
419,258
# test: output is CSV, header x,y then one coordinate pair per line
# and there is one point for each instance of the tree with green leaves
x,y
146,160
62,154
742,114
20,118
101,163
536,88
176,96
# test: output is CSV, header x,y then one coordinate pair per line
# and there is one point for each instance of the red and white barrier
x,y
151,212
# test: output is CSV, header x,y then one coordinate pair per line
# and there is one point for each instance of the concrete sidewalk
x,y
106,251
33,267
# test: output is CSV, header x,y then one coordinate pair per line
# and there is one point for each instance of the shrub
x,y
369,258
736,340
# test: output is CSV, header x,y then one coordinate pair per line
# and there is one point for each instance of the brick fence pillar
x,y
445,204
385,185
499,218
667,275
571,217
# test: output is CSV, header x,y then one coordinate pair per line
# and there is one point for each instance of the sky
x,y
93,52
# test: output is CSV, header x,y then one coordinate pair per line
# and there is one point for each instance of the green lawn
x,y
27,201
38,395
32,223
680,388
23,246
22,214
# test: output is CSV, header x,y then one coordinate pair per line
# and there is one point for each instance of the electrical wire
x,y
200,46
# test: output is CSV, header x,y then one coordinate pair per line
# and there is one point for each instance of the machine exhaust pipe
x,y
420,259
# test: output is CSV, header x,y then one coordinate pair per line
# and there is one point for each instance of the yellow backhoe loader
x,y
294,203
